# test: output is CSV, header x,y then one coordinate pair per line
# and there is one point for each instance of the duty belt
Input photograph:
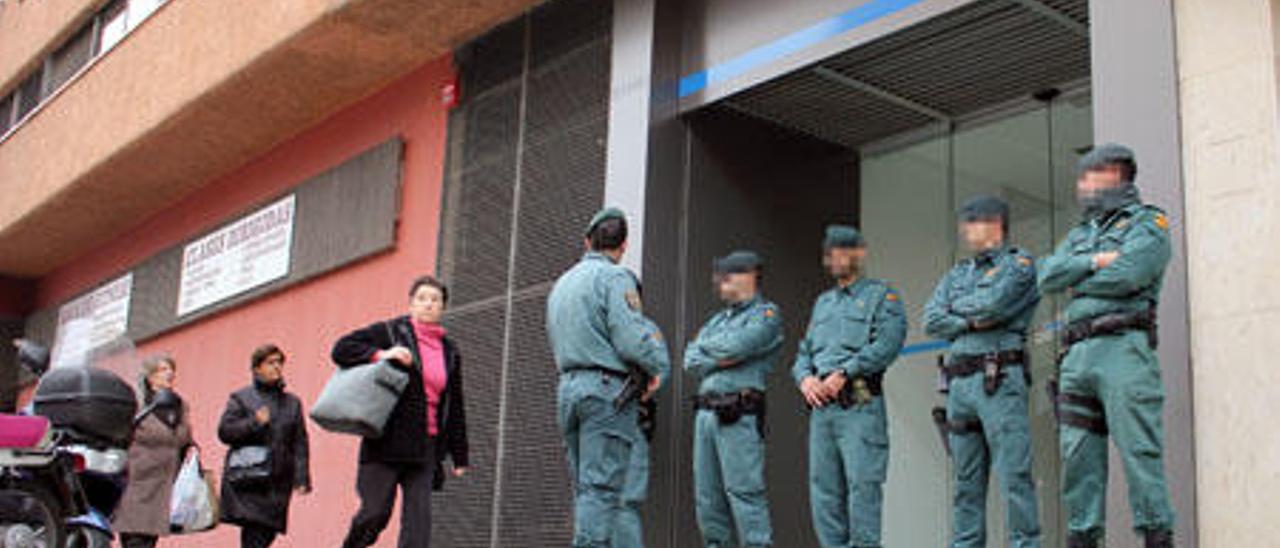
x,y
860,389
965,365
1111,324
752,401
730,408
608,372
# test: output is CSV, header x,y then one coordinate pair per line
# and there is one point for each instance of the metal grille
x,y
536,479
959,63
466,508
527,151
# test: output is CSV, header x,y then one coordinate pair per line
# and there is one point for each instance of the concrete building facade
x,y
472,140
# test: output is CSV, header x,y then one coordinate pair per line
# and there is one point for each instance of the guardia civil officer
x,y
1111,267
732,356
603,347
855,332
983,307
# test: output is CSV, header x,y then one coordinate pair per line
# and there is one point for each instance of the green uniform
x,y
983,307
597,331
1112,380
859,330
728,456
629,530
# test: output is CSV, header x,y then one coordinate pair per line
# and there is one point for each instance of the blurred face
x,y
163,376
270,370
844,262
1095,181
736,287
427,304
982,234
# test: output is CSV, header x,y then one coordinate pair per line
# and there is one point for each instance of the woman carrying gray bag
x,y
268,457
427,424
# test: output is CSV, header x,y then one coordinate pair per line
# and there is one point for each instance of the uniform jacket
x,y
749,335
857,329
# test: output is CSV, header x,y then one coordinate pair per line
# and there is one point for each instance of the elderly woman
x,y
427,423
155,456
264,416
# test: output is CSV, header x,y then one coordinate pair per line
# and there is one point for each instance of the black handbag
x,y
249,465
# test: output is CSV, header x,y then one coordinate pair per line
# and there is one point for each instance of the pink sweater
x,y
434,375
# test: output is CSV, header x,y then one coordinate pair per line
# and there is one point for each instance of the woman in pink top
x,y
427,424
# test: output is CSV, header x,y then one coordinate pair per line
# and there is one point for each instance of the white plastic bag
x,y
191,506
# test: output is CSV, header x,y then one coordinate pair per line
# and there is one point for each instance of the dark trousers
x,y
256,536
376,483
134,540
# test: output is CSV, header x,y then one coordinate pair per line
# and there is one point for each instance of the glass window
x,y
70,58
113,25
29,95
6,113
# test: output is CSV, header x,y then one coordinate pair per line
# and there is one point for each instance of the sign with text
x,y
92,320
246,254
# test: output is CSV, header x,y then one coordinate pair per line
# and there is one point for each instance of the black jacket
x,y
404,438
285,434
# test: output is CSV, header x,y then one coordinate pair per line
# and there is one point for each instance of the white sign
x,y
241,256
91,321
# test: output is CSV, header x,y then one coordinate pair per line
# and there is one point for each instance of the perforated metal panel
x,y
464,511
527,152
536,505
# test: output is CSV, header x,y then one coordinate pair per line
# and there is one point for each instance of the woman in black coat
x,y
257,416
428,422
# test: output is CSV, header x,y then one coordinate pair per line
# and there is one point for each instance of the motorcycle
x,y
64,465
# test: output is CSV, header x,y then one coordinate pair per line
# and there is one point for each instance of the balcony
x,y
199,89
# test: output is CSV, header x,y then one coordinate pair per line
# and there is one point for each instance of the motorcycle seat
x,y
22,432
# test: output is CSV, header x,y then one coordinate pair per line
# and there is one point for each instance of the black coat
x,y
404,438
286,435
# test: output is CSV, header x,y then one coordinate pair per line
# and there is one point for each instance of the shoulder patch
x,y
769,312
892,295
1162,222
992,272
1025,260
633,300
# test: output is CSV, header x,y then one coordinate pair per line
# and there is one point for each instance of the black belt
x,y
963,427
875,382
751,402
1111,324
1097,425
963,366
599,369
729,408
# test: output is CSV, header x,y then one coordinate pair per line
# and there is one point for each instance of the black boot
x,y
1081,539
1158,538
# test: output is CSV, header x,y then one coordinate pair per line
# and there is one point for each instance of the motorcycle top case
x,y
90,400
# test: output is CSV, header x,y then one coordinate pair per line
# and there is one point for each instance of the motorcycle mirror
x,y
32,356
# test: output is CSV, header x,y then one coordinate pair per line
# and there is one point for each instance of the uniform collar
x,y
597,256
990,255
851,288
738,307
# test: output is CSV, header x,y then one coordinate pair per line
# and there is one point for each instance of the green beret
x,y
842,236
983,207
1104,155
737,262
604,215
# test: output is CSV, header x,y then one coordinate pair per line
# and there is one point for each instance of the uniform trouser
x,y
848,459
1122,372
598,442
376,483
1003,444
629,533
728,473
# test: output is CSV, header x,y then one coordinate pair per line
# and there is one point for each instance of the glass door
x,y
909,195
